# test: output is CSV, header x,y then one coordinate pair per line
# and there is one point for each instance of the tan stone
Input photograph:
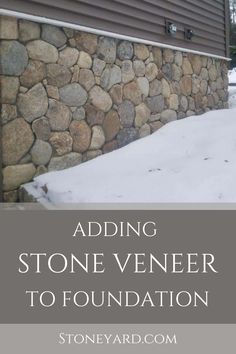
x,y
110,146
151,71
68,57
100,99
43,51
133,92
9,87
81,135
85,60
59,115
143,85
93,115
8,113
28,30
14,176
86,41
145,130
187,67
41,128
168,55
186,86
157,56
53,92
141,51
156,126
8,27
33,74
196,62
58,75
86,79
174,102
142,115
98,138
116,93
111,125
165,88
61,143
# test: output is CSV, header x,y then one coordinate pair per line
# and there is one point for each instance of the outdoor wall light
x,y
189,33
171,28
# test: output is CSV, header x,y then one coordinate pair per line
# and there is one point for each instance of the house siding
x,y
143,19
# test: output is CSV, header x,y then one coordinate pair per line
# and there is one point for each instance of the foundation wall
x,y
70,96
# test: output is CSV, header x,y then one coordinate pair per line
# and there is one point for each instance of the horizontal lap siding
x,y
140,18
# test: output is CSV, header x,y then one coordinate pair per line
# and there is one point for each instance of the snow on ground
x,y
232,76
190,160
232,89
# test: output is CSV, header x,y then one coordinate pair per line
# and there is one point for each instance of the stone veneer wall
x,y
69,96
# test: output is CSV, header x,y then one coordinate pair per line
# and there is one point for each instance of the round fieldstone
x,y
151,71
81,135
73,95
41,128
165,88
156,126
98,66
86,41
79,114
133,92
98,138
157,56
100,99
106,49
145,130
174,102
168,116
186,86
17,139
59,115
61,143
85,60
33,74
40,170
58,75
9,89
179,58
125,50
60,163
142,115
126,136
14,58
168,55
15,176
110,77
93,115
68,57
212,73
176,72
183,104
155,88
187,67
127,71
52,92
196,62
8,27
86,79
53,35
34,103
111,125
167,71
110,146
139,67
156,104
28,30
41,152
43,51
8,113
141,51
126,113
90,155
143,85
116,94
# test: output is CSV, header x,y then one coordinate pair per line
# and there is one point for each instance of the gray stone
x,y
139,67
73,95
212,73
53,35
10,197
68,57
33,104
141,51
157,56
81,135
155,88
156,126
110,77
126,112
79,114
111,125
133,92
100,99
195,85
106,49
183,103
178,58
167,71
41,128
145,130
127,71
176,72
203,87
85,60
174,102
14,58
151,71
8,27
94,116
58,75
98,66
156,104
60,163
125,50
143,84
90,155
53,92
8,113
142,115
9,89
116,94
126,136
40,170
168,116
110,146
61,143
86,41
28,30
14,176
154,117
17,139
43,51
86,79
41,152
33,74
59,115
98,138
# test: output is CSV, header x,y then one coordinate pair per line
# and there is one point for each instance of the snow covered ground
x,y
232,89
190,160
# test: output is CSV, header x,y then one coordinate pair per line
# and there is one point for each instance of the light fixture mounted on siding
x,y
189,33
171,28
